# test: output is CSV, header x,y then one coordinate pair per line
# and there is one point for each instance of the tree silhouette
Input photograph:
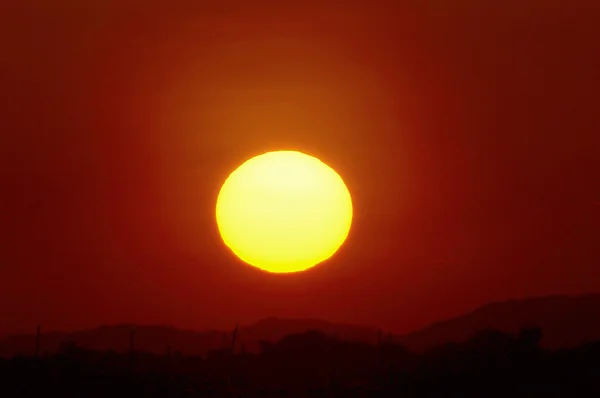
x,y
530,338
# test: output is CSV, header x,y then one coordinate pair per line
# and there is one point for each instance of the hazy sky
x,y
468,134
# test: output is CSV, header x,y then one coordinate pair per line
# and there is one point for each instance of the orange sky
x,y
467,134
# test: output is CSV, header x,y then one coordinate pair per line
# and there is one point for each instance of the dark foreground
x,y
491,364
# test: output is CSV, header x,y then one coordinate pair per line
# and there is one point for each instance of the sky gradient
x,y
467,133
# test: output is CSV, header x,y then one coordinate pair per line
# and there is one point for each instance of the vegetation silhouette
x,y
490,364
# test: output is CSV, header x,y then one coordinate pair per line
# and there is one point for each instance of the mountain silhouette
x,y
158,339
566,321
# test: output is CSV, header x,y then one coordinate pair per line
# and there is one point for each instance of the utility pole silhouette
x,y
234,337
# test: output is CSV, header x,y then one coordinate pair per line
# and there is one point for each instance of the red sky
x,y
468,134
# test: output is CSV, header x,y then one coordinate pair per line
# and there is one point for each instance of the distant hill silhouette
x,y
158,339
274,329
566,322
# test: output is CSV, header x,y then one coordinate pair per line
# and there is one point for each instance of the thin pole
x,y
235,332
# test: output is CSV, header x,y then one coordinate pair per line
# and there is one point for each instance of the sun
x,y
284,211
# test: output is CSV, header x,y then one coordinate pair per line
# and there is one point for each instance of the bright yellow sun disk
x,y
284,211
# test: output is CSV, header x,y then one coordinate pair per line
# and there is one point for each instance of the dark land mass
x,y
314,364
567,322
